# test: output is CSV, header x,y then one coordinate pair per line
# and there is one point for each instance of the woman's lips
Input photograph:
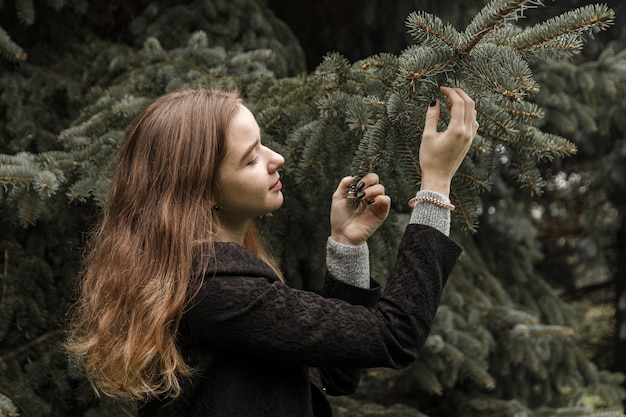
x,y
277,186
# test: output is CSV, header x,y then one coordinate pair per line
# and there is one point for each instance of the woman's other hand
x,y
441,153
352,226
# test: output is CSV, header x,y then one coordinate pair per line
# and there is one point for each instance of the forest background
x,y
533,321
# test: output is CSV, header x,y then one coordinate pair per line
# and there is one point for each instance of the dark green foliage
x,y
503,341
584,210
62,125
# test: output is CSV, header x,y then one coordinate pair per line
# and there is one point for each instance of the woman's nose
x,y
277,160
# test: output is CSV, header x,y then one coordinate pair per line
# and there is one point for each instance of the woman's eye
x,y
254,161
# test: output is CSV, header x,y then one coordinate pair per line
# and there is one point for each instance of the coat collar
x,y
232,259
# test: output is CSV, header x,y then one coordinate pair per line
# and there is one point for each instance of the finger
x,y
470,108
342,188
432,119
381,205
372,192
368,179
457,107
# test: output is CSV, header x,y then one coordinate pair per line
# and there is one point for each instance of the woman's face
x,y
248,183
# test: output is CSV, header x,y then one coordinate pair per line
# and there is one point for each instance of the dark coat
x,y
263,349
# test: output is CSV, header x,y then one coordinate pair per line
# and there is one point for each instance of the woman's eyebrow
x,y
249,150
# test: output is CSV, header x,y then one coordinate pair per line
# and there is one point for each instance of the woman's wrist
x,y
339,238
435,184
436,181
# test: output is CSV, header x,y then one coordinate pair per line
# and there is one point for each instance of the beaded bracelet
x,y
431,200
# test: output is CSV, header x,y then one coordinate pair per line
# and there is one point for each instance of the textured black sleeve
x,y
345,328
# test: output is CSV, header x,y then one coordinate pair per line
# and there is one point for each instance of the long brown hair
x,y
138,264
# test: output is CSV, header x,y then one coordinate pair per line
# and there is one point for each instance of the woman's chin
x,y
277,204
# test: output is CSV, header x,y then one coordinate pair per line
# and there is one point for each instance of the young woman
x,y
181,308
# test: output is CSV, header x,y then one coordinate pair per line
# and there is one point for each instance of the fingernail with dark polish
x,y
360,186
371,201
433,101
361,194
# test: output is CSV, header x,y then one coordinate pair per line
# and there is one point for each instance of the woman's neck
x,y
232,233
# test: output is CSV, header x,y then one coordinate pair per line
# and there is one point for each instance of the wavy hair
x,y
158,223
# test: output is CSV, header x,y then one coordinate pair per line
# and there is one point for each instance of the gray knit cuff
x,y
348,263
431,214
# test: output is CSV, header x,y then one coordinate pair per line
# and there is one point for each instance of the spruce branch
x,y
428,380
498,122
25,11
493,15
494,67
490,407
478,373
578,412
466,342
528,173
7,407
561,28
407,146
501,73
524,111
421,68
381,63
541,330
473,178
427,28
468,219
10,49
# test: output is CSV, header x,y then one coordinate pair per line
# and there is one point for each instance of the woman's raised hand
x,y
441,153
354,226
